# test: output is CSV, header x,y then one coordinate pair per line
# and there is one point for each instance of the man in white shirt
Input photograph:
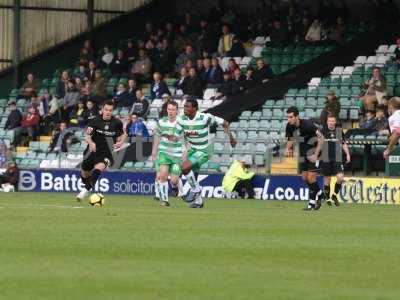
x,y
394,124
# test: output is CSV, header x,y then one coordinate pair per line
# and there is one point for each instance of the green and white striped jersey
x,y
197,130
171,146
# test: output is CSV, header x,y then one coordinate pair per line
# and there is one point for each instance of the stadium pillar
x,y
17,41
90,15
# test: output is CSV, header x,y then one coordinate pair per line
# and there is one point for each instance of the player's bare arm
x,y
393,140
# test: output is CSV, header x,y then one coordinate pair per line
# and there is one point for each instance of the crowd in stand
x,y
188,50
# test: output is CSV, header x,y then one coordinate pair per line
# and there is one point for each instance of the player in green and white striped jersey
x,y
167,153
195,127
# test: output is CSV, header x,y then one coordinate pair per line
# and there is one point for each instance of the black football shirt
x,y
104,134
306,133
333,144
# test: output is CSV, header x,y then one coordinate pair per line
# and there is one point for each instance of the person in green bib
x,y
238,179
195,127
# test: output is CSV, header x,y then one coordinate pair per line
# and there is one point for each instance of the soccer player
x,y
195,127
332,162
168,143
394,125
104,134
310,142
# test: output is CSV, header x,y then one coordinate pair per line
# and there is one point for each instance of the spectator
x,y
216,72
194,86
132,88
98,89
338,32
238,179
188,54
302,30
381,122
226,88
182,39
238,83
200,67
332,106
83,73
92,71
85,91
225,41
263,73
158,87
206,74
119,66
86,53
10,176
136,127
30,87
189,24
62,84
180,85
278,33
249,81
48,112
207,38
71,98
166,57
148,31
121,97
29,125
14,117
131,52
314,32
237,49
232,66
141,105
107,57
375,90
367,127
152,53
90,112
397,51
170,31
142,67
166,99
77,116
62,138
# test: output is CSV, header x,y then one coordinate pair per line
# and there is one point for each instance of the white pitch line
x,y
37,205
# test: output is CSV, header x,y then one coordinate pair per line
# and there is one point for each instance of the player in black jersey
x,y
306,134
332,158
104,134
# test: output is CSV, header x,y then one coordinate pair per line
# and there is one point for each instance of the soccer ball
x,y
97,199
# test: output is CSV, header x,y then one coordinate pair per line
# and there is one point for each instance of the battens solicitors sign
x,y
355,190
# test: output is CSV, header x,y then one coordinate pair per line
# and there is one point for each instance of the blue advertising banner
x,y
131,183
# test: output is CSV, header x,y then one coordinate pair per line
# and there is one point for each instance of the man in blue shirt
x,y
136,127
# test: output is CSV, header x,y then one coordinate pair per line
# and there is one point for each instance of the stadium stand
x,y
260,133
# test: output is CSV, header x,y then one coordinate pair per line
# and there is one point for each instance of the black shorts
x,y
308,166
93,159
331,168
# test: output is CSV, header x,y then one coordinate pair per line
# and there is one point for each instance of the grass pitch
x,y
54,248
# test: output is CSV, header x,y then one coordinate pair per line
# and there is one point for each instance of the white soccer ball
x,y
97,199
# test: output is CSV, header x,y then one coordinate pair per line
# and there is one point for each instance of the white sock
x,y
157,188
193,182
164,191
180,186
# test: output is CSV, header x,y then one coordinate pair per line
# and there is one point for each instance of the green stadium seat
x,y
269,103
243,125
253,124
256,115
252,136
